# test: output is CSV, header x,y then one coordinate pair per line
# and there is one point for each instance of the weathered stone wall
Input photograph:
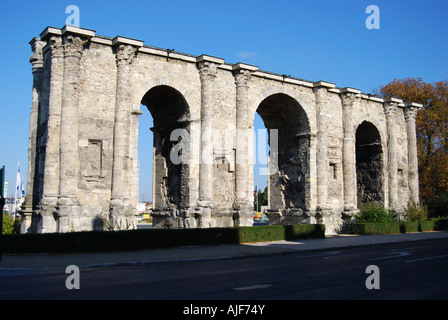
x,y
96,131
88,94
335,139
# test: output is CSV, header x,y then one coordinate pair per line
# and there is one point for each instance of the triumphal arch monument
x,y
331,148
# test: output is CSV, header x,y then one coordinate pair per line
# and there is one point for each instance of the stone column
x,y
243,204
68,208
50,183
390,108
410,115
133,187
159,172
349,97
320,93
121,211
37,62
207,71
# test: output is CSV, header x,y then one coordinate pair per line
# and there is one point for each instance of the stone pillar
x,y
134,128
207,71
121,210
410,115
243,204
323,213
349,97
50,184
160,172
311,184
320,93
390,108
37,62
68,209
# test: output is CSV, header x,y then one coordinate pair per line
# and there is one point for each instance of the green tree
x,y
432,133
8,224
262,198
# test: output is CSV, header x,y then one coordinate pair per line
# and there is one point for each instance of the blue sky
x,y
313,40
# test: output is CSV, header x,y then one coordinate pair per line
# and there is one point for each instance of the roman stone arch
x,y
83,147
187,93
306,107
380,128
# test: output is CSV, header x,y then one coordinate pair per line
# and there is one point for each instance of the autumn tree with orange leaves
x,y
432,132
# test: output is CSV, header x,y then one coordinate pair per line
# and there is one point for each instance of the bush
x,y
374,213
417,213
8,224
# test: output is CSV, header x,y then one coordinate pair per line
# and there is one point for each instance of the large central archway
x,y
169,111
289,142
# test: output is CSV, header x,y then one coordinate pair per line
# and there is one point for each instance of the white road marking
x,y
253,287
428,258
395,255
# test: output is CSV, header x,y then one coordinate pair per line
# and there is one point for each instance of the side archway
x,y
170,112
369,164
288,162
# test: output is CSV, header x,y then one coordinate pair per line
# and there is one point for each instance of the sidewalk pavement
x,y
204,253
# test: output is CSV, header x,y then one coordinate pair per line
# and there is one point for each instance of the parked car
x,y
263,218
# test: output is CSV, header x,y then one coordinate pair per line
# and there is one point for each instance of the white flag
x,y
18,180
22,191
18,184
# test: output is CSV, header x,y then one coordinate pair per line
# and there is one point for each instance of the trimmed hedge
x,y
280,232
110,241
376,228
409,226
400,227
426,225
261,233
304,231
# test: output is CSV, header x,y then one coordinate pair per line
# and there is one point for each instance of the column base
x,y
350,208
45,218
203,216
68,213
243,219
26,214
122,215
290,216
244,213
331,219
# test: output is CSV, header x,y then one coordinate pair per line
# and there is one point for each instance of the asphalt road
x,y
415,270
